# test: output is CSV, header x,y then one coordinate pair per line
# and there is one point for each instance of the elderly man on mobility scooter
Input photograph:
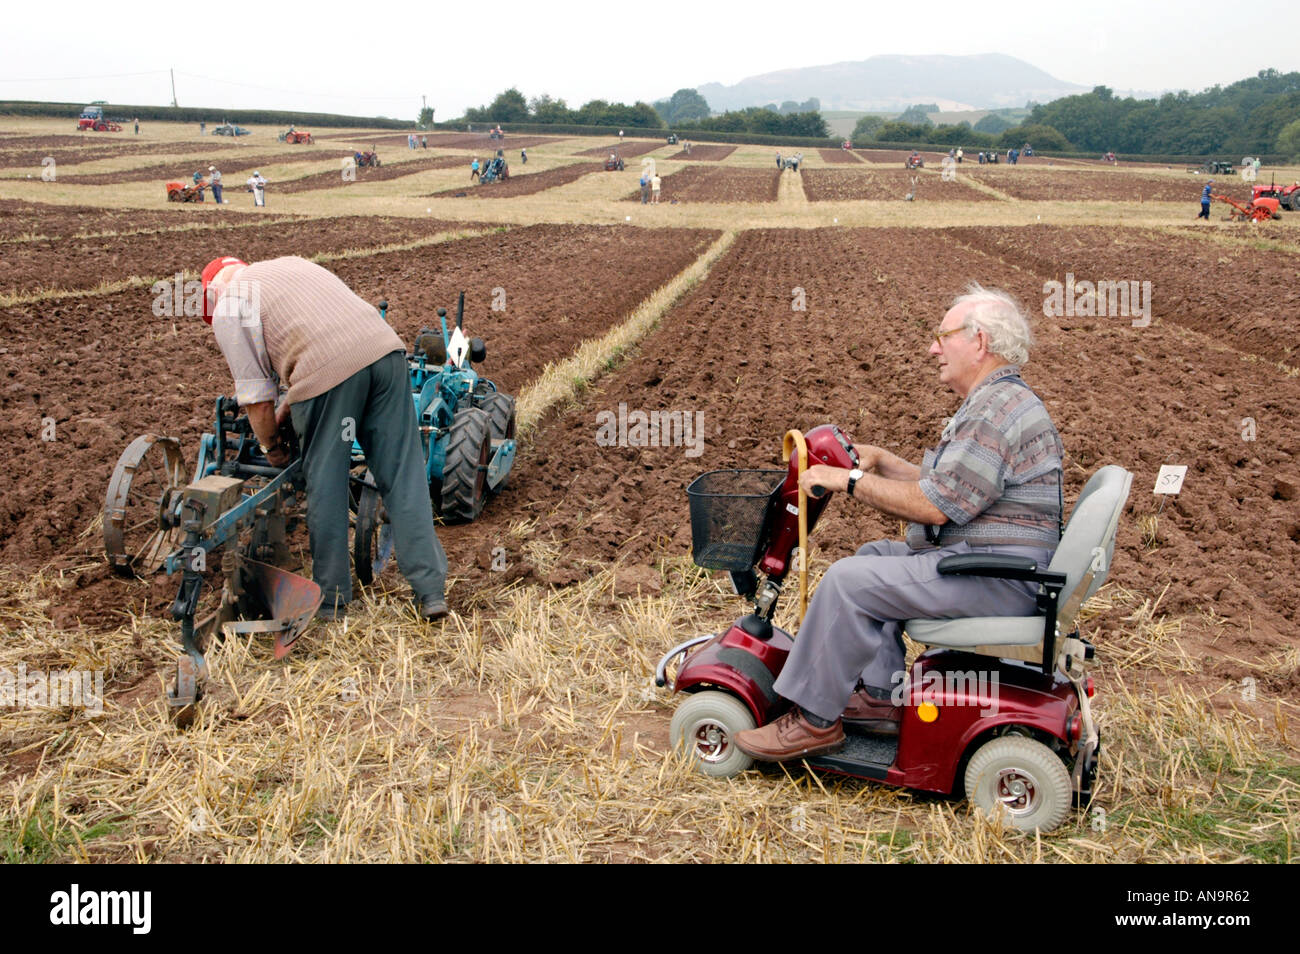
x,y
993,485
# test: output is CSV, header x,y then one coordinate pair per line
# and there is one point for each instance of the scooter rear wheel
x,y
705,727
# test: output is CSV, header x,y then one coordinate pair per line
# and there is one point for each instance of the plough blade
x,y
292,601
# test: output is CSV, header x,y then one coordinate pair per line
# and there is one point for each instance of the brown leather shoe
x,y
789,737
874,715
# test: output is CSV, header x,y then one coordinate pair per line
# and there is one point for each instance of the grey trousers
x,y
853,627
375,405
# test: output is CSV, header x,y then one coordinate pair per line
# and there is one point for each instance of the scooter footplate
x,y
866,756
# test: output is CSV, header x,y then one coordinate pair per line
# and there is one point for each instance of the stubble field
x,y
526,729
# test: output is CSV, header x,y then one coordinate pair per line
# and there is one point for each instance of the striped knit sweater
x,y
288,320
996,474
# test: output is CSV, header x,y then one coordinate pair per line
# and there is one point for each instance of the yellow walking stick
x,y
794,440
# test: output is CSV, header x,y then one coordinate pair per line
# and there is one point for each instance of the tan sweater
x,y
311,330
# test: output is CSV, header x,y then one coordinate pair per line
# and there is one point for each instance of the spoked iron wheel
x,y
147,475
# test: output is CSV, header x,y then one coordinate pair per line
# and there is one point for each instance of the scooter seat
x,y
977,631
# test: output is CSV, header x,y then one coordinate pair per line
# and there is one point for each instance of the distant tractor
x,y
92,118
230,129
1213,167
914,161
293,136
614,163
672,139
1288,197
181,192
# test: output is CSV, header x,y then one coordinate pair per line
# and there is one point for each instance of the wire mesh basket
x,y
729,516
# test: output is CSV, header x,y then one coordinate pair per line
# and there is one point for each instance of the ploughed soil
x,y
1195,283
635,147
898,157
183,170
18,217
1043,184
712,184
520,183
839,156
105,369
704,153
734,359
85,263
386,170
457,141
838,185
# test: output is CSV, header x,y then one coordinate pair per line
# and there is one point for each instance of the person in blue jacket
x,y
1205,200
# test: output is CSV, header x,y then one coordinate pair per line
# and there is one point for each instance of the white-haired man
x,y
993,484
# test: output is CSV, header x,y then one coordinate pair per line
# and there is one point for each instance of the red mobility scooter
x,y
997,707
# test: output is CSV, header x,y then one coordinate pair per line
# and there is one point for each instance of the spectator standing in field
x,y
654,189
473,169
258,187
214,183
645,188
1205,200
424,142
137,125
959,154
523,156
779,163
203,129
687,147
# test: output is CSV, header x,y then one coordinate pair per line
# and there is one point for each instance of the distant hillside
x,y
892,83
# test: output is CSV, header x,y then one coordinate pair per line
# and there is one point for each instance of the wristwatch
x,y
854,476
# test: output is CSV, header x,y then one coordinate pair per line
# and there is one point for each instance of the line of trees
x,y
510,106
1008,136
761,121
1251,116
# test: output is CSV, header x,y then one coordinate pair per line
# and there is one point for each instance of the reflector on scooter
x,y
927,712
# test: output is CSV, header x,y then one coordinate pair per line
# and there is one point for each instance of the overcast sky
x,y
379,58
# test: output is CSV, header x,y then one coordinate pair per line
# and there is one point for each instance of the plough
x,y
224,532
1256,210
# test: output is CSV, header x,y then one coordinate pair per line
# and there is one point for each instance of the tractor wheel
x,y
1020,779
372,543
705,727
174,195
464,471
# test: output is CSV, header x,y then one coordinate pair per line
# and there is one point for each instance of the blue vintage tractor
x,y
468,430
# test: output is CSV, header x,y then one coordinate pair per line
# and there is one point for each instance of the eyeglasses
x,y
940,335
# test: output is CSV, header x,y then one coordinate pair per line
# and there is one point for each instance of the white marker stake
x,y
1169,482
1170,479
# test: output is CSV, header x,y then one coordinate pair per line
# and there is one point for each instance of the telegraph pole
x,y
173,72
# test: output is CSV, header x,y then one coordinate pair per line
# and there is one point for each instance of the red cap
x,y
210,272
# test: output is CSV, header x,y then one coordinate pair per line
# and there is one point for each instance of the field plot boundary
x,y
136,281
561,382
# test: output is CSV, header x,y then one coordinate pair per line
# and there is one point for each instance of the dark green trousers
x,y
375,407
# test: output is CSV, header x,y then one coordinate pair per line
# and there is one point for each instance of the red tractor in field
x,y
1288,197
293,136
914,161
368,159
183,192
92,118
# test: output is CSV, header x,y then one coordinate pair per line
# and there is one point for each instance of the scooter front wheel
x,y
705,727
1021,780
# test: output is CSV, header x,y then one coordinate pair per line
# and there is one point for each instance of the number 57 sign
x,y
1170,478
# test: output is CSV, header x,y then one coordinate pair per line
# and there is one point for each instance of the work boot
x,y
790,737
332,612
874,715
433,608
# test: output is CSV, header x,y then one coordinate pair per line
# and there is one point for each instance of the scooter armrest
x,y
1001,566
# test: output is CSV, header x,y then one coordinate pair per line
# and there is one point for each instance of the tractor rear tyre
x,y
464,471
